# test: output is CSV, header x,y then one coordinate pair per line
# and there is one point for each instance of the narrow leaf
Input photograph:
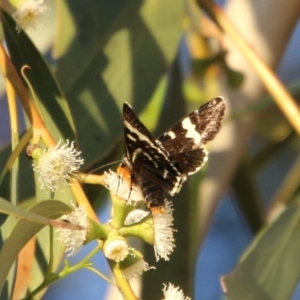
x,y
52,105
270,269
10,209
24,230
125,49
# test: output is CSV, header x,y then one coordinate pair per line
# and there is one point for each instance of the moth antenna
x,y
103,166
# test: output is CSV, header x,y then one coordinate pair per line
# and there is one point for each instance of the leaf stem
x,y
122,283
52,278
13,113
51,256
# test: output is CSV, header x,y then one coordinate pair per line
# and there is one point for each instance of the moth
x,y
162,165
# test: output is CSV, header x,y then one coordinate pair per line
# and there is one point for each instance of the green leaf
x,y
247,193
201,66
9,209
24,230
234,78
52,106
270,269
110,52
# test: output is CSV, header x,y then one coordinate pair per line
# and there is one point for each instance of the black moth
x,y
163,164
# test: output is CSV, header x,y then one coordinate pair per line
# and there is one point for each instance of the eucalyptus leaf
x,y
270,269
24,230
109,52
51,103
9,209
247,194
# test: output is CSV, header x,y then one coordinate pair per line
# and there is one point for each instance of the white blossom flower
x,y
163,232
29,13
135,216
116,249
58,165
173,293
136,269
122,188
74,239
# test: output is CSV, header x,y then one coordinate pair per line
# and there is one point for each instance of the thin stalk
x,y
51,254
122,283
64,273
280,94
13,114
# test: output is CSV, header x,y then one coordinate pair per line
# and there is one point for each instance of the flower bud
x,y
116,248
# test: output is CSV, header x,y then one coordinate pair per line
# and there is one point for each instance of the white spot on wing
x,y
141,136
171,134
135,153
165,174
177,185
191,131
131,137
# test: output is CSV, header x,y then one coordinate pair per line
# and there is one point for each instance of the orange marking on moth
x,y
124,173
156,210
